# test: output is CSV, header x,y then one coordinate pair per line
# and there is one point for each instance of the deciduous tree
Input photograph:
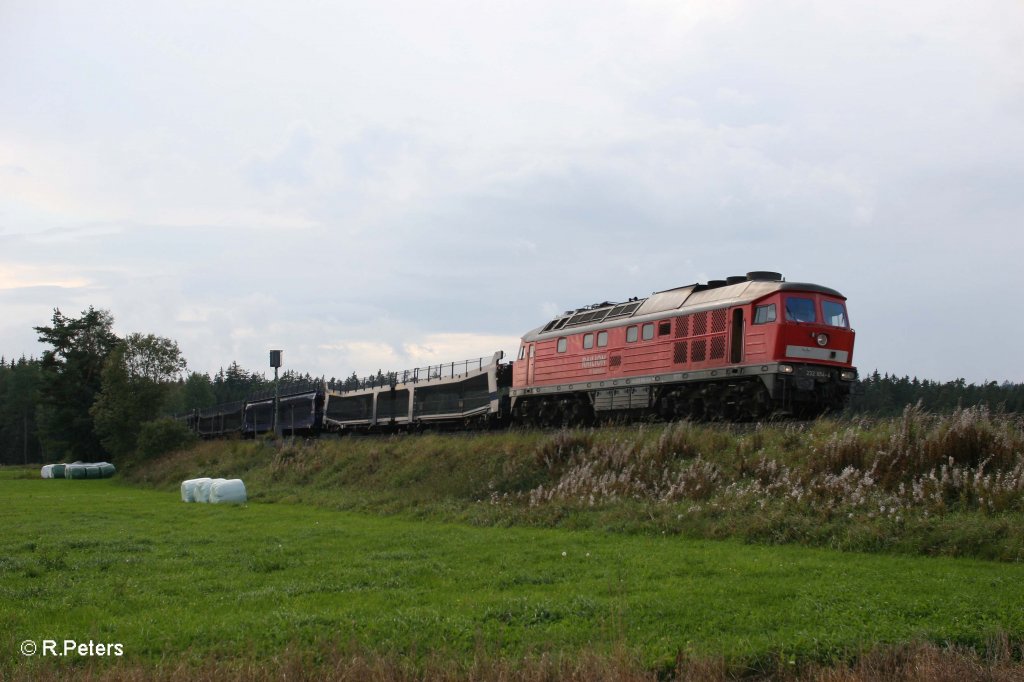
x,y
71,378
137,380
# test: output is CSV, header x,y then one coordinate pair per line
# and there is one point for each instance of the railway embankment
x,y
950,485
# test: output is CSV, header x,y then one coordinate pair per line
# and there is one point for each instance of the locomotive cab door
x,y
529,364
736,350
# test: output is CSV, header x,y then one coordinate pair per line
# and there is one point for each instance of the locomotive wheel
x,y
576,412
712,400
757,402
525,412
549,414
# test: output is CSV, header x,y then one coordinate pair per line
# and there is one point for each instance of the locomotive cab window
x,y
588,341
562,344
834,313
522,352
799,309
763,314
631,334
602,339
648,331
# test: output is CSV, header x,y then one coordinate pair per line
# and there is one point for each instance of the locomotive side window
x,y
664,328
764,314
522,352
562,344
631,334
602,339
835,313
588,340
800,309
648,331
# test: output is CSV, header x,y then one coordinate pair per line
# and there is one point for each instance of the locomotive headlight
x,y
822,339
847,375
786,369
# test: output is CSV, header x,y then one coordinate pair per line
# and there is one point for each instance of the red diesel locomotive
x,y
740,349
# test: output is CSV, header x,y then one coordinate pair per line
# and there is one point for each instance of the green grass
x,y
186,582
949,485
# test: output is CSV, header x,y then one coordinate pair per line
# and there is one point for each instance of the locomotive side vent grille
x,y
631,308
615,361
682,326
589,316
699,351
717,347
679,352
700,324
718,320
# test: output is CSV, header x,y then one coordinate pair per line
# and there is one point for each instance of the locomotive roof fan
x,y
764,276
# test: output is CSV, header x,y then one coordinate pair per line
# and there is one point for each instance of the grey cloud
x,y
287,166
501,164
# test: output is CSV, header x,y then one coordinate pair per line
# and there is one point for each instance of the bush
x,y
161,436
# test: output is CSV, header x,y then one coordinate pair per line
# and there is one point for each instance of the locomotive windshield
x,y
835,313
800,309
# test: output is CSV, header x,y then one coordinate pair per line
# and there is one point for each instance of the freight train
x,y
745,348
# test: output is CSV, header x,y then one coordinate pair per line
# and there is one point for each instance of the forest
x,y
94,395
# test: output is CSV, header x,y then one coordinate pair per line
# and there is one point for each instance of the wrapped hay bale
x,y
209,494
84,470
231,491
201,493
188,489
46,471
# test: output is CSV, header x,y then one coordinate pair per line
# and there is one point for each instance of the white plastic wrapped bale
x,y
188,489
229,491
46,471
201,493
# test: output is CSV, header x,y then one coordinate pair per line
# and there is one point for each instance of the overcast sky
x,y
389,184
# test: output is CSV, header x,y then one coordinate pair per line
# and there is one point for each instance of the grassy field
x,y
269,587
948,485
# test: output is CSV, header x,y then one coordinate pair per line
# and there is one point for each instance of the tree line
x,y
93,395
887,395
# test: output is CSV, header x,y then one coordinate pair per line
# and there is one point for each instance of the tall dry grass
x,y
916,662
919,464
